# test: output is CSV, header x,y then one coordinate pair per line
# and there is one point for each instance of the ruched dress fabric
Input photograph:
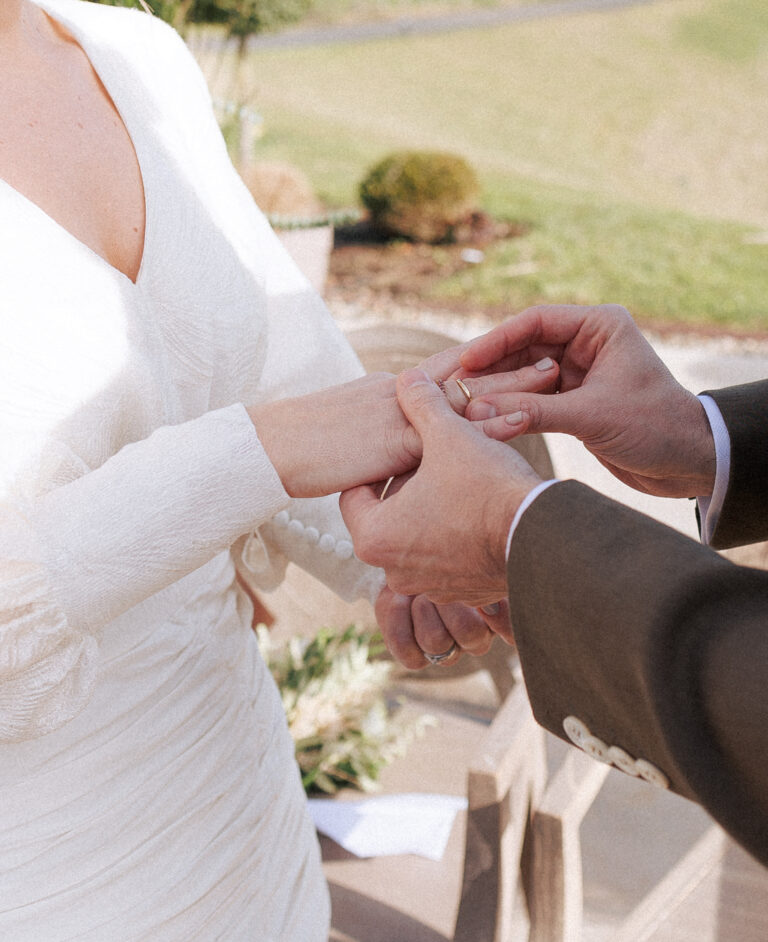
x,y
148,789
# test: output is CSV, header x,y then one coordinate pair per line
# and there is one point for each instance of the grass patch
x,y
635,142
733,31
664,266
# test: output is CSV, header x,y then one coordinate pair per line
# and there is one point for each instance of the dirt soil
x,y
366,262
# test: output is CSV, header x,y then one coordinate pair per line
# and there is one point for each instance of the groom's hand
x,y
444,532
414,628
615,395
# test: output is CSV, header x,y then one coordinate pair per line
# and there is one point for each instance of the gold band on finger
x,y
386,488
463,387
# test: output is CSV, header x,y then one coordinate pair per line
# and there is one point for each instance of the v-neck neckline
x,y
91,54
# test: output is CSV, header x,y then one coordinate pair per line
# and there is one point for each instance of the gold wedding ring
x,y
463,387
386,488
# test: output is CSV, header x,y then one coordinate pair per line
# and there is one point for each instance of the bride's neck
x,y
21,23
11,15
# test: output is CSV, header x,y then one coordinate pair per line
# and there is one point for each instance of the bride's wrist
x,y
273,424
334,439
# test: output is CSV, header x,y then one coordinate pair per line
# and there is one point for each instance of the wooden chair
x,y
715,892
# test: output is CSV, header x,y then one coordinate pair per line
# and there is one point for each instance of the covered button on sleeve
x,y
344,549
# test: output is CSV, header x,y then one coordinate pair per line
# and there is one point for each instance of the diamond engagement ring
x,y
439,658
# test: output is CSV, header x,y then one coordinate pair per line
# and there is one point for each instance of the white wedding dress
x,y
147,783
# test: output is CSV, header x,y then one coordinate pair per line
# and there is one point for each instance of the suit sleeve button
x,y
596,748
650,773
576,731
622,760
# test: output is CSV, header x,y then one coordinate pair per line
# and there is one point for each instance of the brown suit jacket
x,y
653,643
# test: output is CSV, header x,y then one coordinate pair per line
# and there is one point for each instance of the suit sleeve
x,y
655,645
744,515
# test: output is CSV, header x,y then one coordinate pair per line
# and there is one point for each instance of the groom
x,y
644,648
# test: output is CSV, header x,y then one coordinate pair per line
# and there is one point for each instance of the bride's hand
x,y
322,442
354,433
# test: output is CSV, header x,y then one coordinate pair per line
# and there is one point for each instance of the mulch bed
x,y
366,261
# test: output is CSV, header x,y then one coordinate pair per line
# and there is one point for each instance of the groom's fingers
x,y
541,376
393,614
535,327
422,401
496,616
357,505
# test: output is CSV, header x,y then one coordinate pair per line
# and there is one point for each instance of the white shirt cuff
x,y
529,498
710,507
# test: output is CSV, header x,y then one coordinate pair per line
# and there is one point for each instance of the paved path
x,y
425,25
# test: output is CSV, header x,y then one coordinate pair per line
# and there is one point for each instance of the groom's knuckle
x,y
367,548
398,581
531,409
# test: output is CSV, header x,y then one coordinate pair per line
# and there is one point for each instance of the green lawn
x,y
633,142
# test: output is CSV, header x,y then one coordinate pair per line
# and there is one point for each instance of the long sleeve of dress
x,y
304,352
84,553
127,459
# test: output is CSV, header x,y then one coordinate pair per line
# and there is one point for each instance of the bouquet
x,y
333,689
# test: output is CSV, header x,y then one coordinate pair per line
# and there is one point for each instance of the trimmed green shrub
x,y
420,195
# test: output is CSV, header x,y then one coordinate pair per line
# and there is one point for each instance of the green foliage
x,y
245,18
420,195
241,18
665,266
333,691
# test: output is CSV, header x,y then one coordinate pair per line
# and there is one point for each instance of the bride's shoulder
x,y
130,30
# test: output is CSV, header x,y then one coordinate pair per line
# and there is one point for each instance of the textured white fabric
x,y
147,783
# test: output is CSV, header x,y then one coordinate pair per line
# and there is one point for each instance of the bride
x,y
170,413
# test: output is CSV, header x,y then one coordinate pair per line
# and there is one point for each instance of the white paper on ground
x,y
389,824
